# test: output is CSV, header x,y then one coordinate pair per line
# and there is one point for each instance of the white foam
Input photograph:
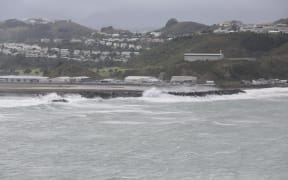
x,y
153,92
152,95
26,101
9,102
122,122
223,124
156,96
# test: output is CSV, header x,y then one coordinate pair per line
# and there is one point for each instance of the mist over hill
x,y
175,28
21,31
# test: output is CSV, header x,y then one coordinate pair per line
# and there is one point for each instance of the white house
x,y
75,40
64,53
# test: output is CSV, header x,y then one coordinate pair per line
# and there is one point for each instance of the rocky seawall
x,y
107,91
206,93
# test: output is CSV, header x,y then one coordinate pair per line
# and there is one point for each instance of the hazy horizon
x,y
145,14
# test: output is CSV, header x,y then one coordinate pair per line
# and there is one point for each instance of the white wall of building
x,y
202,57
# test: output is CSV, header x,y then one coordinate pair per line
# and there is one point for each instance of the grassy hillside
x,y
270,51
46,67
166,60
15,30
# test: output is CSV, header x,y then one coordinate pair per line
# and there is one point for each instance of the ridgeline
x,y
21,31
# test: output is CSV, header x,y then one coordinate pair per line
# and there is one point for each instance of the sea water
x,y
154,137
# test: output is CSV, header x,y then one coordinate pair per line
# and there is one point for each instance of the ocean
x,y
154,137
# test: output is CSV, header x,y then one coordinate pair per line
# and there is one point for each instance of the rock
x,y
60,100
206,93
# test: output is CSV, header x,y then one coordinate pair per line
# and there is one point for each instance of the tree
x,y
27,71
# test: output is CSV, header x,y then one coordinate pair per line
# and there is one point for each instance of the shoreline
x,y
111,91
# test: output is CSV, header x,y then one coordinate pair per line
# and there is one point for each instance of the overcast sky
x,y
145,13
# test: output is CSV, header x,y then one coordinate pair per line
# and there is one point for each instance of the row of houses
x,y
237,26
175,80
118,45
110,43
42,79
35,51
82,79
264,82
153,80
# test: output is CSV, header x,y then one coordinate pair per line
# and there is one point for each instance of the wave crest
x,y
156,95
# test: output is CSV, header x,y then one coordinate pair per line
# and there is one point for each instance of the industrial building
x,y
203,56
141,79
23,79
41,79
67,79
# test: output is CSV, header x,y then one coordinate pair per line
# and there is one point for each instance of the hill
x,y
42,66
270,51
282,21
175,28
21,31
112,30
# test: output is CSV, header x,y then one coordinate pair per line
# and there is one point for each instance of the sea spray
x,y
11,101
143,138
153,92
156,95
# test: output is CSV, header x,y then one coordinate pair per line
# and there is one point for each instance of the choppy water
x,y
154,137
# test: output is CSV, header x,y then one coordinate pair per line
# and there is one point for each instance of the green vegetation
x,y
112,30
29,71
114,72
270,51
46,67
175,28
166,60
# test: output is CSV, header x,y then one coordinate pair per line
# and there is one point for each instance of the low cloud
x,y
145,13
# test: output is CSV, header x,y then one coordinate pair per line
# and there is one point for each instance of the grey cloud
x,y
145,13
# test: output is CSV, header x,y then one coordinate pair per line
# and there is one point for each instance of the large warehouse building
x,y
203,56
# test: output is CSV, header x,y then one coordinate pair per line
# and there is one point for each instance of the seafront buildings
x,y
42,79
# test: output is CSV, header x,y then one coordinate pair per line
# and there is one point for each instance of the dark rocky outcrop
x,y
110,94
60,100
206,93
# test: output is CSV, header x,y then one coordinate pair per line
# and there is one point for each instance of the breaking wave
x,y
152,95
156,95
25,101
